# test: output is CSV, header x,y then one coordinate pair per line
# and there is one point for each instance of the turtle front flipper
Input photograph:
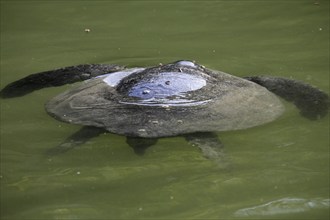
x,y
210,145
75,140
312,102
57,77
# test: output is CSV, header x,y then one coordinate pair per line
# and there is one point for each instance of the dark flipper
x,y
76,140
56,77
139,144
312,102
210,145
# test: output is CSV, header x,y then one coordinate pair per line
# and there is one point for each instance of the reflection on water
x,y
284,206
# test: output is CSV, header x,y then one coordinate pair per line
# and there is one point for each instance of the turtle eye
x,y
186,63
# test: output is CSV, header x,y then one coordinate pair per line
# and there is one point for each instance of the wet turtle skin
x,y
167,100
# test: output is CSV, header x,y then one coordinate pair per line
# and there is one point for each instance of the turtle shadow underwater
x,y
181,98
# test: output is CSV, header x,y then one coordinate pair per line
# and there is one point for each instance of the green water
x,y
276,171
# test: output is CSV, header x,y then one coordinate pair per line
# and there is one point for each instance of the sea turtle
x,y
179,98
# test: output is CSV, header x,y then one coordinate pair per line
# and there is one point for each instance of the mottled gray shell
x,y
218,102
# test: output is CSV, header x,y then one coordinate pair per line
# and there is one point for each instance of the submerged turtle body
x,y
180,98
167,100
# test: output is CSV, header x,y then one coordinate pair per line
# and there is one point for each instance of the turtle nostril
x,y
186,63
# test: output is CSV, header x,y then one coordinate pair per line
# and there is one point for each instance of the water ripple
x,y
284,206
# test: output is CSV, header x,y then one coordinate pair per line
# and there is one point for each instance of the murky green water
x,y
276,171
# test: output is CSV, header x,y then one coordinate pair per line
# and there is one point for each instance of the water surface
x,y
276,171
